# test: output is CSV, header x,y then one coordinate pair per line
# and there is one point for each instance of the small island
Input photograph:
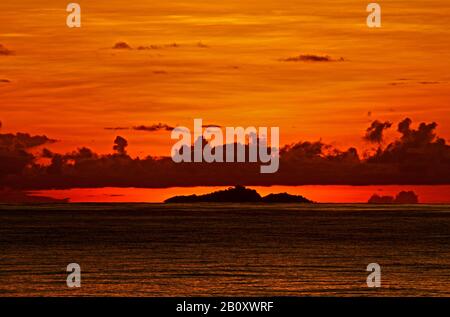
x,y
238,194
402,198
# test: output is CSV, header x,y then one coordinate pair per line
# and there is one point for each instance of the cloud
x,y
151,47
201,45
174,45
4,81
405,81
211,126
374,133
154,127
121,46
23,140
4,51
429,82
120,145
126,46
14,157
148,128
311,58
417,156
116,128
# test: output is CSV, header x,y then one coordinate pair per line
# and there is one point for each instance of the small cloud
x,y
116,128
374,133
428,82
4,81
121,46
4,51
153,128
311,58
172,45
120,145
397,83
201,45
211,126
151,47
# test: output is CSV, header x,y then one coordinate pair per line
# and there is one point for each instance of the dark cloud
x,y
153,128
126,46
429,82
120,145
4,51
121,46
4,81
409,82
14,157
374,133
151,47
23,141
160,72
174,45
211,126
148,128
417,156
116,128
311,58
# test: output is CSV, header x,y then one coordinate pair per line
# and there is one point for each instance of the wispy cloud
x,y
311,58
4,51
153,127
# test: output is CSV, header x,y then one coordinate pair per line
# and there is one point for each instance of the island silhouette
x,y
404,197
238,194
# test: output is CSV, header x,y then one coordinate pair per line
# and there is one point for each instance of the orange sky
x,y
69,84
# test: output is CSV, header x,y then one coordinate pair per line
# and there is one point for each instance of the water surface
x,y
224,250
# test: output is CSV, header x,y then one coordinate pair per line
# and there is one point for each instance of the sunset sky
x,y
70,85
231,63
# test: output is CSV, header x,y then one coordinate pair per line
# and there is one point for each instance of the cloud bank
x,y
417,156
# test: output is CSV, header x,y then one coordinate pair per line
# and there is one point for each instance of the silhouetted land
x,y
401,198
239,194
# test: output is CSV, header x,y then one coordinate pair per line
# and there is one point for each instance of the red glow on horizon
x,y
428,194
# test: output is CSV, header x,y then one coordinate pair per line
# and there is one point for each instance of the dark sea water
x,y
224,250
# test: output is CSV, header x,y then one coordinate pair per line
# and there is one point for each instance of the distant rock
x,y
406,198
376,199
402,198
238,194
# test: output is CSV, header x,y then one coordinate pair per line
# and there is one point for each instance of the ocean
x,y
224,249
